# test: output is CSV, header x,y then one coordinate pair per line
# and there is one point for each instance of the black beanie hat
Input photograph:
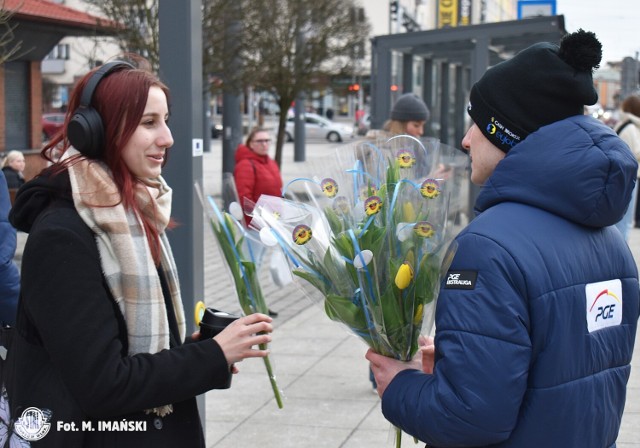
x,y
410,107
540,85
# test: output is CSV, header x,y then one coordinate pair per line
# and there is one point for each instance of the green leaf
x,y
314,280
343,309
334,220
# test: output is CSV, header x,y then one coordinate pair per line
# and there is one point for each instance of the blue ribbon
x,y
284,189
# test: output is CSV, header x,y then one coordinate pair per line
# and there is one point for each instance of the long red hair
x,y
120,99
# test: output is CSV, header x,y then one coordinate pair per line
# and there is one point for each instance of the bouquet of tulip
x,y
373,239
231,233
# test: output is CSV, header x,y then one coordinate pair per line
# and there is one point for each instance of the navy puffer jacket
x,y
537,316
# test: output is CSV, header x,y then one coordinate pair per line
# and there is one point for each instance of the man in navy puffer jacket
x,y
537,316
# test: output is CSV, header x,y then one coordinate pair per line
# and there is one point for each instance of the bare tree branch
x,y
271,56
8,45
285,47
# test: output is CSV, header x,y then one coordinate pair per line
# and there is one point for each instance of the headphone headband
x,y
85,130
92,83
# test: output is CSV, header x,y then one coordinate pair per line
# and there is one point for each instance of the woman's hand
x,y
238,339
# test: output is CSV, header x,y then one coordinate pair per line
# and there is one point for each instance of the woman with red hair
x,y
100,333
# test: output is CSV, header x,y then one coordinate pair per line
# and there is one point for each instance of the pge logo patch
x,y
604,304
461,280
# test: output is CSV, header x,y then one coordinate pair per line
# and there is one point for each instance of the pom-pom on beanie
x,y
409,107
542,84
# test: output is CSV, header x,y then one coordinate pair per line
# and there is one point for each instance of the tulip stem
x,y
272,378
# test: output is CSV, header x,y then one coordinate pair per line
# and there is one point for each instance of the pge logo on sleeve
x,y
461,280
604,304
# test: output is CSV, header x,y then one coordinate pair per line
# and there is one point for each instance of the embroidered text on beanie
x,y
409,107
540,85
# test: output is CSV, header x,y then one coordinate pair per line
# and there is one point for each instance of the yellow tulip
x,y
199,312
408,212
417,317
404,276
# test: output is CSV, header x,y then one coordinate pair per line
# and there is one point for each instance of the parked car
x,y
51,124
317,127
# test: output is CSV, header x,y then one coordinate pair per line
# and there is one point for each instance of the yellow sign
x,y
447,13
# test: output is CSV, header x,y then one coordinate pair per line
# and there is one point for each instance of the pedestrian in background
x,y
9,275
13,169
255,172
628,128
408,116
100,326
537,315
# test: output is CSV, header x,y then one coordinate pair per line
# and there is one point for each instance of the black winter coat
x,y
69,356
13,178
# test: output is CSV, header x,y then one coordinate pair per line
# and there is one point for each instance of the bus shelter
x,y
444,63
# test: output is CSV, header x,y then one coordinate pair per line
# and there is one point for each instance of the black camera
x,y
214,321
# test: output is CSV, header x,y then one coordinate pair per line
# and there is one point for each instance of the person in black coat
x,y
12,168
100,356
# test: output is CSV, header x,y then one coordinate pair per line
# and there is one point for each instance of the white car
x,y
317,127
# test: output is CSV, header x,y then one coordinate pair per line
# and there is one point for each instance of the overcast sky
x,y
615,22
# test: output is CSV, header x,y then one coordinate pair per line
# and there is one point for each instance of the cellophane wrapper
x,y
370,237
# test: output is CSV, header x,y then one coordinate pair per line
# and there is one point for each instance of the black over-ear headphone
x,y
85,131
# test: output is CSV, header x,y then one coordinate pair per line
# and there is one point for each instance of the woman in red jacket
x,y
256,173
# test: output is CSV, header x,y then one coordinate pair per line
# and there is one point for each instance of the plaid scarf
x,y
125,255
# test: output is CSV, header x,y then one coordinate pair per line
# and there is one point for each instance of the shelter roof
x,y
47,12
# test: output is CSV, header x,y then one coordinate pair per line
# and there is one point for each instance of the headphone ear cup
x,y
85,132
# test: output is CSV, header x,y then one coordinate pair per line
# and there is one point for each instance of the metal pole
x,y
231,107
427,92
207,120
250,108
181,70
380,84
445,102
459,106
407,72
299,131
